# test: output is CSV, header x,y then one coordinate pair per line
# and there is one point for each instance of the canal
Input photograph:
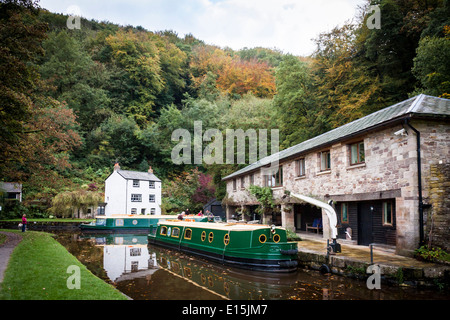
x,y
147,272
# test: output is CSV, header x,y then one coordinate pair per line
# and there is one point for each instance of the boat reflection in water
x,y
131,264
148,272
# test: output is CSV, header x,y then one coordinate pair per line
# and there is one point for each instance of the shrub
x,y
426,254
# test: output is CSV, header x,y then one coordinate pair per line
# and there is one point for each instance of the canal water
x,y
147,272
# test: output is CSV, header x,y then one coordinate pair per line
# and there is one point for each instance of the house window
x,y
274,180
143,211
300,167
152,211
151,198
387,213
136,183
325,160
357,153
151,184
234,184
252,179
242,182
133,210
135,252
344,212
136,197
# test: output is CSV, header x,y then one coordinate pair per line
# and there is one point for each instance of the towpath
x,y
12,239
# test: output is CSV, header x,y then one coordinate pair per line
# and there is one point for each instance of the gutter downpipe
x,y
419,173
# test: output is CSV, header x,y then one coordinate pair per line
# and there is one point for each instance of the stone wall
x,y
438,216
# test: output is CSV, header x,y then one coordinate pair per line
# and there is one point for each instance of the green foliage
x,y
433,74
295,102
74,101
429,254
265,198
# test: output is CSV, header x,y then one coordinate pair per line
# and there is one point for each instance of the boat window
x,y
276,238
163,231
211,237
119,222
203,235
188,234
226,239
176,232
262,238
101,222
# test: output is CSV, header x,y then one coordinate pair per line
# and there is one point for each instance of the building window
x,y
152,211
135,252
136,183
151,184
133,210
143,211
325,160
252,179
344,212
242,182
388,211
274,180
357,153
136,197
151,198
234,184
300,167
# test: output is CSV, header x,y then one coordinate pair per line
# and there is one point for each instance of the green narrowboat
x,y
250,246
115,223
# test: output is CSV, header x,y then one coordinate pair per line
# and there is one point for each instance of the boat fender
x,y
289,264
324,269
289,252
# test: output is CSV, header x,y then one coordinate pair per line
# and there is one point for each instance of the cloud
x,y
288,25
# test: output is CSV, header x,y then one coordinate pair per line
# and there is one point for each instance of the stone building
x,y
370,170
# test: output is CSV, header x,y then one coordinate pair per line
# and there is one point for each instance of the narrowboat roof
x,y
218,226
135,216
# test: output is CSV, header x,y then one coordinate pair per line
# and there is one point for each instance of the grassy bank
x,y
37,270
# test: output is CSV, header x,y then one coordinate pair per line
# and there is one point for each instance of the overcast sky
x,y
288,25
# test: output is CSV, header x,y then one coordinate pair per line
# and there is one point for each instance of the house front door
x,y
365,227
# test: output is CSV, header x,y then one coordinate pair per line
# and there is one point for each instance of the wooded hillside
x,y
72,102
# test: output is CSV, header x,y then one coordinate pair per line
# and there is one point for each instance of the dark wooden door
x,y
365,227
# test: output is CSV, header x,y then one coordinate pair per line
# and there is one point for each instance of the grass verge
x,y
37,270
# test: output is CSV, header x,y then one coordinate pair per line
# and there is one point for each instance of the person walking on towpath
x,y
24,222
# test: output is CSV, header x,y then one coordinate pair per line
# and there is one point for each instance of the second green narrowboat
x,y
250,246
115,223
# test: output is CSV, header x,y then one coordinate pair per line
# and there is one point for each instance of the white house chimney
x,y
116,166
150,170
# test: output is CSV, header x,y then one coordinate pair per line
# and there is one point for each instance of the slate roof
x,y
13,187
418,106
137,175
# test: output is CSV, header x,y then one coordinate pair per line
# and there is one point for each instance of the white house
x,y
132,192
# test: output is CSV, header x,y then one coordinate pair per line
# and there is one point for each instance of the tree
x,y
18,74
136,55
431,65
65,204
347,88
295,102
75,78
